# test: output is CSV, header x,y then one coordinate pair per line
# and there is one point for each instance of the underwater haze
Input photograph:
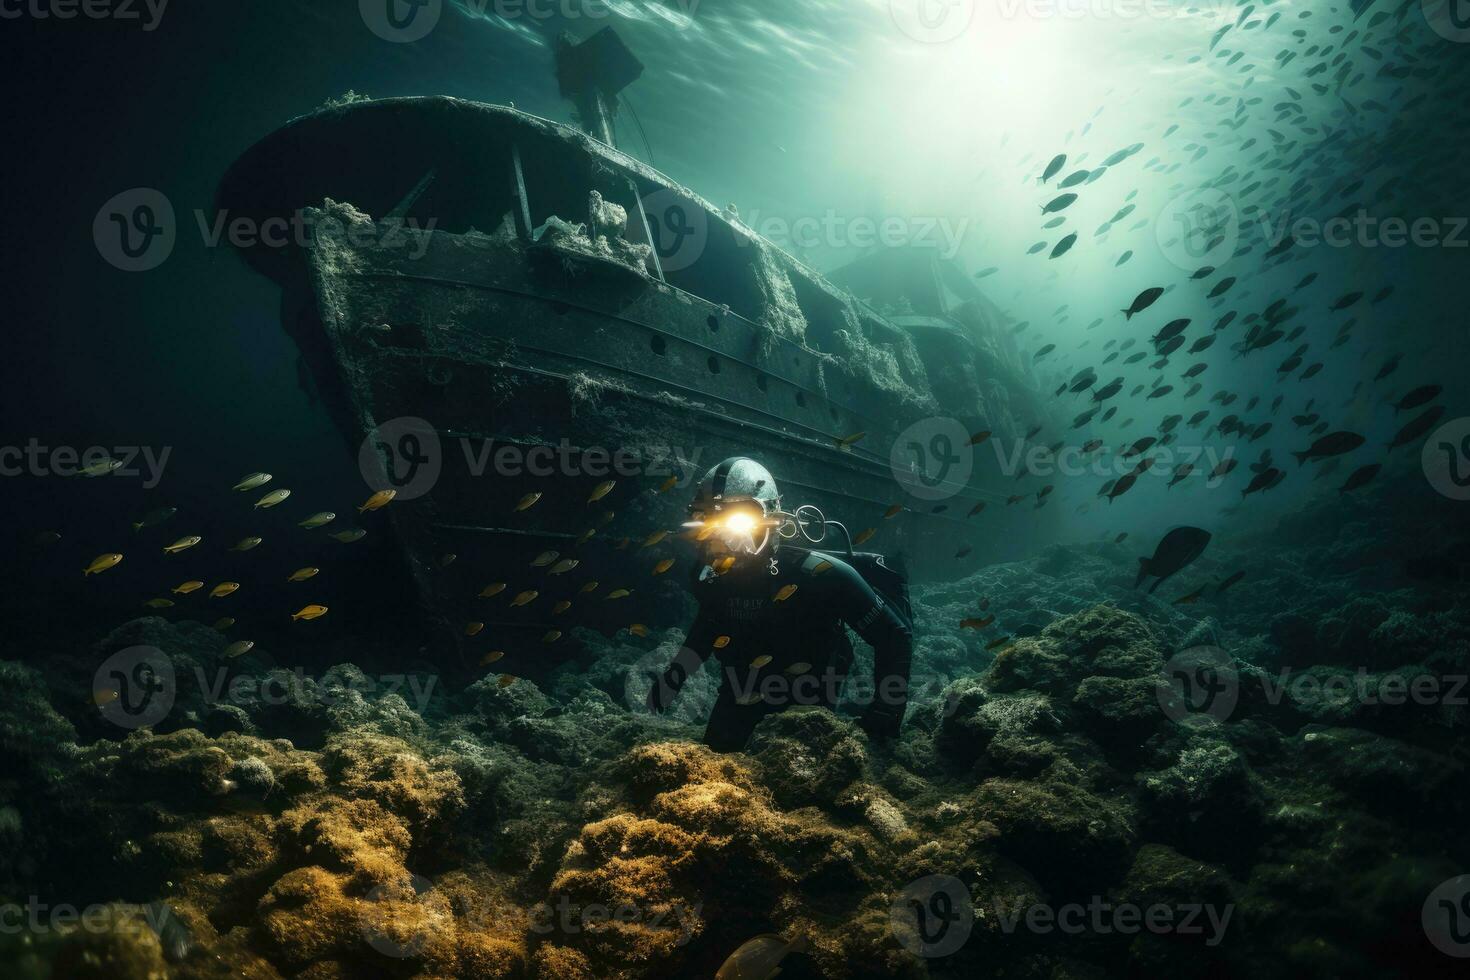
x,y
1082,592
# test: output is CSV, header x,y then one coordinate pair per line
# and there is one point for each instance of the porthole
x,y
714,323
657,345
760,381
801,399
714,364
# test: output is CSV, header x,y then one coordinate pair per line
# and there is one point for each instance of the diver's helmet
x,y
736,508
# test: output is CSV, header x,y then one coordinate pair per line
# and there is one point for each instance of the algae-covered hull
x,y
581,343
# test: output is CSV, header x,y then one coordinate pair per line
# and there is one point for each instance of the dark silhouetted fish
x,y
1059,203
1178,549
1121,486
1419,396
1361,478
1263,481
1419,427
1331,445
1229,582
1143,301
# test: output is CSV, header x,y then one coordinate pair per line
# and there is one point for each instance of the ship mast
x,y
591,75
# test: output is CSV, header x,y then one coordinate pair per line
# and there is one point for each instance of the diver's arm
x,y
698,644
884,630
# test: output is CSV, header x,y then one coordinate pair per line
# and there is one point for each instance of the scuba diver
x,y
774,616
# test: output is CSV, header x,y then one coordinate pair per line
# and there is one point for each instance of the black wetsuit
x,y
790,608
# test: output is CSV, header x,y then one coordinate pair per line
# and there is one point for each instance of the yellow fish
x,y
976,509
560,607
252,481
721,642
273,498
564,566
705,533
590,586
976,624
638,629
238,648
349,536
747,701
377,500
619,593
182,544
318,519
100,468
102,563
302,574
724,564
491,657
506,680
654,539
893,511
545,558
223,589
1003,641
863,536
797,668
524,598
105,696
158,603
493,589
446,560
310,612
473,629
822,566
761,661
224,623
551,636
602,490
187,587
529,500
245,544
663,566
606,518
586,536
979,437
668,484
787,591
846,441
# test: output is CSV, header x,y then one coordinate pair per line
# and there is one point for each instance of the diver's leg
x,y
730,723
